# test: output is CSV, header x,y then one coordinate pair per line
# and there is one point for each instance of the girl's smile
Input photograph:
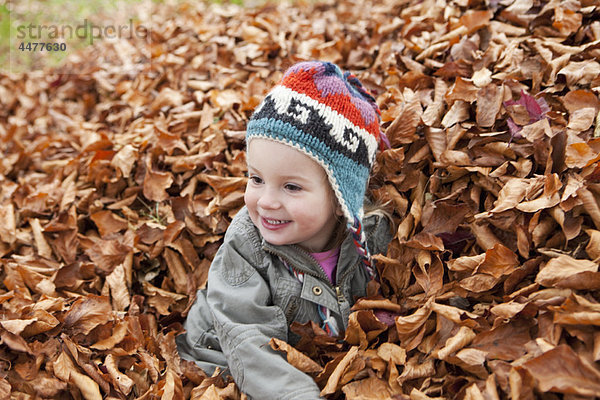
x,y
288,196
273,223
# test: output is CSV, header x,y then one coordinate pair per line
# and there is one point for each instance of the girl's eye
x,y
256,179
292,187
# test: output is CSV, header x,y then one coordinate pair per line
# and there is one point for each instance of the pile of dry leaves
x,y
117,185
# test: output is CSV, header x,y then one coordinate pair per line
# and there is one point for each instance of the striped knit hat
x,y
329,116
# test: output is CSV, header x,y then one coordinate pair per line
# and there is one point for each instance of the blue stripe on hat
x,y
313,120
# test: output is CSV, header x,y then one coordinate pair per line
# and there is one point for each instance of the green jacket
x,y
252,297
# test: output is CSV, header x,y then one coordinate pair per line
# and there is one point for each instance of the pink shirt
x,y
328,261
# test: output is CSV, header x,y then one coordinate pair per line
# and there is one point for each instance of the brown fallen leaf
x,y
88,388
43,248
156,183
489,101
363,327
122,381
118,334
371,388
415,369
562,370
563,267
108,223
296,358
334,379
16,326
593,246
503,342
576,310
392,352
463,337
498,261
87,313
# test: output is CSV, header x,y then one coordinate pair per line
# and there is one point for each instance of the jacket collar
x,y
303,261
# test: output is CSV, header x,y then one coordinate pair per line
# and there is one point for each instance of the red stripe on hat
x,y
302,82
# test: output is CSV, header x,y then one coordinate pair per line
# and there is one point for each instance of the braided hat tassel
x,y
360,241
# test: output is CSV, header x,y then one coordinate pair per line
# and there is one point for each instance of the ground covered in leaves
x,y
118,183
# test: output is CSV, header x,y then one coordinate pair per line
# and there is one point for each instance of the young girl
x,y
299,249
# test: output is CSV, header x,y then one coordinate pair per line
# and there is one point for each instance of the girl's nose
x,y
268,200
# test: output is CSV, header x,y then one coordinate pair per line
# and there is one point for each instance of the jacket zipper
x,y
339,294
336,288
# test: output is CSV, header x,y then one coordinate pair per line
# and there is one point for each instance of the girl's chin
x,y
277,241
276,238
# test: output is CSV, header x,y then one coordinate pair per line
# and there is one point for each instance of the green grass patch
x,y
64,27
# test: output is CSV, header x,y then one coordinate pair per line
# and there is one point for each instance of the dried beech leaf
x,y
17,326
5,388
123,382
117,281
462,90
562,370
415,369
8,226
294,357
475,20
15,342
403,128
593,247
456,315
481,78
504,342
590,204
382,304
466,263
489,101
463,337
471,357
508,310
155,185
118,334
108,223
87,313
334,378
363,326
459,112
42,245
563,267
410,324
167,98
577,311
371,388
107,254
124,159
392,352
89,389
580,73
511,194
479,283
426,241
536,131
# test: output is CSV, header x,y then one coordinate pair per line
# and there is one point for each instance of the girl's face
x,y
288,196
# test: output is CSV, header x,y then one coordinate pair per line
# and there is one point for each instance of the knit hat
x,y
329,116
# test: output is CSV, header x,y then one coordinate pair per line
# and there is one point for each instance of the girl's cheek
x,y
250,202
249,194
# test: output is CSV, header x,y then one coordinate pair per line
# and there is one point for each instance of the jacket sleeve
x,y
245,320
